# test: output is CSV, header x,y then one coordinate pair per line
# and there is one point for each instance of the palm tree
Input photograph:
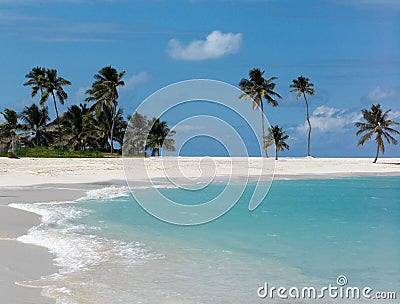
x,y
36,80
35,120
104,90
257,88
377,123
302,86
76,125
159,137
276,136
120,127
9,129
53,85
98,130
136,134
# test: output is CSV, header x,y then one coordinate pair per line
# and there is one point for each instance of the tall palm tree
x,y
9,129
276,136
159,137
35,120
257,88
104,90
37,77
53,85
303,86
377,123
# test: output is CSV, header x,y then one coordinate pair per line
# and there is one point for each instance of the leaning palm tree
x,y
377,123
36,80
53,85
276,136
104,93
303,86
9,129
35,120
257,88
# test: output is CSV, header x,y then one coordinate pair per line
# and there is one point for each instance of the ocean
x,y
305,233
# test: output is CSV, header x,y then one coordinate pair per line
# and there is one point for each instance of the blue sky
x,y
349,49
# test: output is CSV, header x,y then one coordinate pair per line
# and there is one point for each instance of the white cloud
x,y
378,94
394,114
216,44
136,80
375,4
322,111
188,128
328,119
80,95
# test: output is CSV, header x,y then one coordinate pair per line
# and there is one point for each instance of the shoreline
x,y
20,261
44,180
38,171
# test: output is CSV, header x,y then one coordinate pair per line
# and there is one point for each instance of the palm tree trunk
x,y
13,146
309,127
44,130
376,155
262,126
112,129
58,118
276,153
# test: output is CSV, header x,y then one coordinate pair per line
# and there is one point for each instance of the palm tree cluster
x,y
97,124
257,88
9,129
144,134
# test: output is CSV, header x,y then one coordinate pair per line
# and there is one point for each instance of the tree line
x,y
258,89
97,124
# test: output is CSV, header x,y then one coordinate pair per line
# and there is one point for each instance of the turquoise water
x,y
306,232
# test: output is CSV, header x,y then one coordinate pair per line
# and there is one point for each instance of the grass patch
x,y
45,152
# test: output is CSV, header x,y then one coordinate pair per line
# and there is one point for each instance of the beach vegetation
x,y
50,85
34,122
36,79
9,130
159,137
52,152
91,129
257,89
302,86
377,125
276,136
104,95
136,134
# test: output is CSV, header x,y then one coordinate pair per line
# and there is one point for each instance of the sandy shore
x,y
30,171
39,180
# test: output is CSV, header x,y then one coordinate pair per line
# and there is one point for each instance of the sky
x,y
349,49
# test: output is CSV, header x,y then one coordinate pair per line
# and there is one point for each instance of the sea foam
x,y
77,247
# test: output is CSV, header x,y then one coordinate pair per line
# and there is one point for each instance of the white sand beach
x,y
38,180
34,171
